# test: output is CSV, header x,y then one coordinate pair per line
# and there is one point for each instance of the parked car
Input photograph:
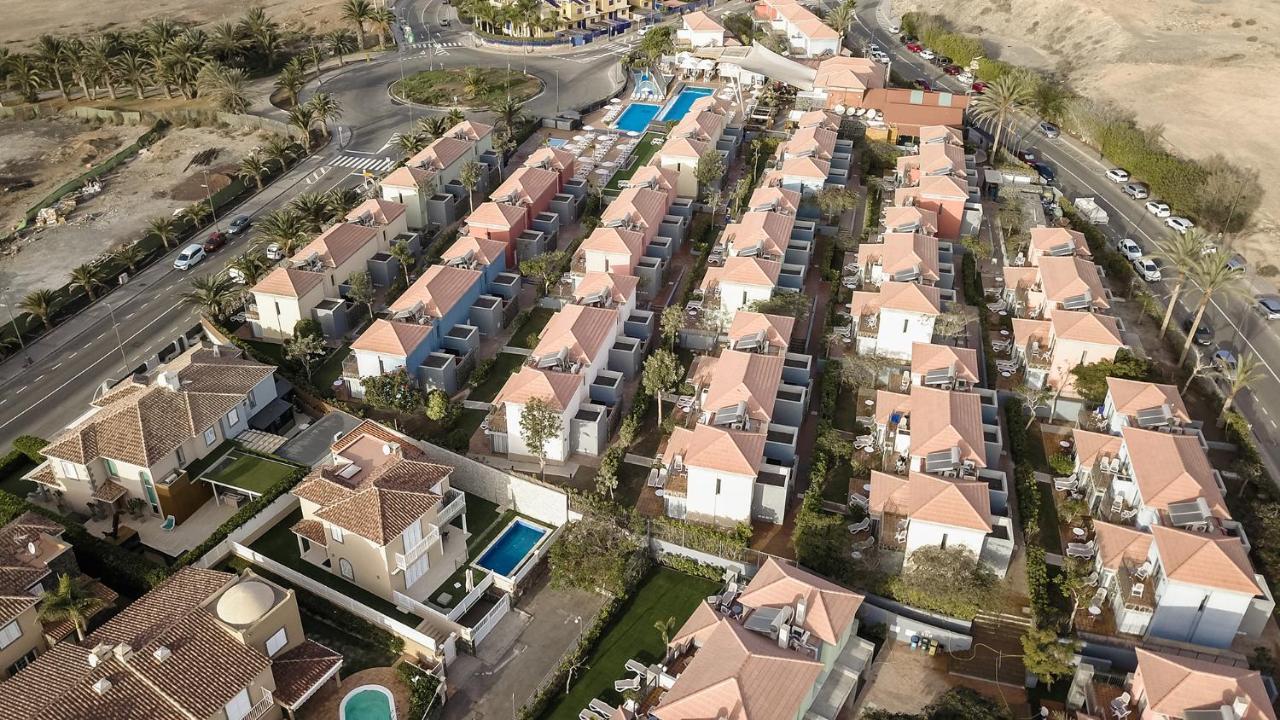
x,y
1236,262
967,78
1224,359
274,252
1047,174
1049,130
1269,306
1179,224
873,47
909,39
190,256
1147,269
953,70
1159,209
1137,191
1128,248
1026,156
940,60
915,47
922,84
1204,332
1118,175
978,87
215,241
927,54
879,57
237,276
239,224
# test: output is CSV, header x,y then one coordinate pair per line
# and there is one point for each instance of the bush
x,y
423,687
689,566
480,372
1062,464
30,445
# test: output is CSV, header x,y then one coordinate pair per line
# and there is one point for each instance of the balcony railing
x,y
261,707
453,509
411,555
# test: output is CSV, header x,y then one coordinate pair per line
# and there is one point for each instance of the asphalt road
x,y
1080,173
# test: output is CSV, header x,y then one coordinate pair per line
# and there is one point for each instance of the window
x,y
906,324
253,401
210,437
111,467
239,707
944,541
182,457
36,590
9,634
233,417
717,486
277,641
68,470
277,304
412,535
344,567
416,570
335,532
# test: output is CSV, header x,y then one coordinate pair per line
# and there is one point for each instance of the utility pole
x,y
208,195
124,360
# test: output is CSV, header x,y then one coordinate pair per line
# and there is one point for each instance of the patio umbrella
x,y
614,101
632,133
609,163
588,128
579,138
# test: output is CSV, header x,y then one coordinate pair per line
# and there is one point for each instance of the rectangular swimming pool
x,y
511,548
637,116
680,107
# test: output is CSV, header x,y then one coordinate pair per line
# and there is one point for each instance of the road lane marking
x,y
19,390
55,367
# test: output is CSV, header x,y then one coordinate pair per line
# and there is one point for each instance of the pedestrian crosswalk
x,y
367,163
436,44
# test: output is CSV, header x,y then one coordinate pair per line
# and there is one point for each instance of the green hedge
x,y
689,566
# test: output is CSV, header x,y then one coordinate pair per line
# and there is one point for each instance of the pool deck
x,y
324,705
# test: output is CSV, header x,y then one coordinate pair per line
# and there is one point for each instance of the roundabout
x,y
468,88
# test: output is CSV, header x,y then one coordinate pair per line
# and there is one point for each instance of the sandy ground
x,y
27,21
1203,69
149,185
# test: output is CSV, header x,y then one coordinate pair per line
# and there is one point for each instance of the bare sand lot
x,y
24,22
1204,70
154,183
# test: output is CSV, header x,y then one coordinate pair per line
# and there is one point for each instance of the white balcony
x,y
261,707
453,509
407,558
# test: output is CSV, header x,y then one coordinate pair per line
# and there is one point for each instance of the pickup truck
x,y
1091,210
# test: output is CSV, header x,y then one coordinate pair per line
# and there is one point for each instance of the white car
x,y
927,54
1129,249
880,57
966,77
274,252
1118,175
1180,225
1146,269
190,256
1159,209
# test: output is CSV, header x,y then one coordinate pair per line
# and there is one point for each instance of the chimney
x,y
784,636
169,380
801,606
102,686
123,652
161,654
1240,706
97,654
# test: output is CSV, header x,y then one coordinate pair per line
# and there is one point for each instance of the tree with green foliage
x,y
303,350
1077,583
393,391
1046,655
404,255
469,176
709,170
833,201
1247,370
670,323
86,277
539,425
70,600
951,581
1091,379
213,294
437,405
593,554
360,290
997,104
1213,278
841,19
164,229
658,41
664,628
792,304
1182,253
544,268
661,371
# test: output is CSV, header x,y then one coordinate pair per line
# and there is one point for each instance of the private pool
x,y
512,547
557,142
637,116
680,106
368,702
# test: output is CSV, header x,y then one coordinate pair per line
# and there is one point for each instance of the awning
x,y
267,416
109,491
300,672
673,4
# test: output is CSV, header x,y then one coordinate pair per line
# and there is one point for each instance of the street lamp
x,y
124,360
208,195
9,307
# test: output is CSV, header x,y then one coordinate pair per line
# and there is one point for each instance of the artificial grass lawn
x,y
1050,540
448,86
250,472
503,366
281,545
639,158
665,594
328,371
480,514
526,336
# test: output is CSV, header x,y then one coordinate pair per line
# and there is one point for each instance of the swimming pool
x,y
368,702
680,106
557,142
515,543
637,116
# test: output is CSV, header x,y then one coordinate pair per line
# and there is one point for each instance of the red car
x,y
979,88
216,241
914,47
923,84
953,70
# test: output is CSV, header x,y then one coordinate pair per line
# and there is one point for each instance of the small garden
x,y
528,326
643,152
252,473
494,376
470,87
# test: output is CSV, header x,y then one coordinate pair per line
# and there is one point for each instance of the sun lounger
x,y
628,684
858,527
1082,550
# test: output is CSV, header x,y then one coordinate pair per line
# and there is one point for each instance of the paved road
x,y
1080,172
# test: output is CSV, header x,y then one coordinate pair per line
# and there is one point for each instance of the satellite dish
x,y
31,548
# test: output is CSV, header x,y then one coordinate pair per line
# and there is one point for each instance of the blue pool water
x,y
557,142
637,116
511,547
680,107
367,703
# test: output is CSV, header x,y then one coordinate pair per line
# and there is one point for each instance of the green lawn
x,y
526,336
665,594
274,352
448,87
846,417
250,472
639,158
480,514
479,540
330,370
503,366
1049,538
281,545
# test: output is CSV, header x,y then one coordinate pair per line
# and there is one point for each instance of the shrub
x,y
480,372
423,687
30,445
1062,463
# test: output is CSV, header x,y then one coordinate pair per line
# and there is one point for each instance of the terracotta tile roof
x,y
1086,327
407,177
1027,331
639,208
700,623
442,153
943,419
1128,397
470,130
699,21
815,29
527,186
946,187
579,330
438,290
739,674
1090,446
1020,277
829,608
777,328
59,630
298,671
1205,560
222,369
483,250
805,167
745,377
109,491
557,388
19,569
1120,545
655,177
926,357
907,216
770,231
620,288
905,296
499,216
288,282
743,271
1173,685
888,494
339,243
1171,468
682,149
888,403
954,503
941,133
377,210
817,140
720,449
552,158
902,252
848,74
819,118
43,474
1062,278
312,530
911,110
1046,239
388,337
615,241
775,199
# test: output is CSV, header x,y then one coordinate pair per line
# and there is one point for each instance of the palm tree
x,y
26,77
474,82
225,86
215,294
51,57
431,127
39,305
470,176
97,62
664,628
508,111
325,108
340,43
284,227
134,70
999,101
264,32
291,80
315,54
182,63
226,43
382,19
303,117
313,210
279,150
358,12
1182,253
71,599
165,229
840,19
401,252
410,143
1248,368
86,276
1212,276
252,166
194,214
342,200
129,256
455,116
251,266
